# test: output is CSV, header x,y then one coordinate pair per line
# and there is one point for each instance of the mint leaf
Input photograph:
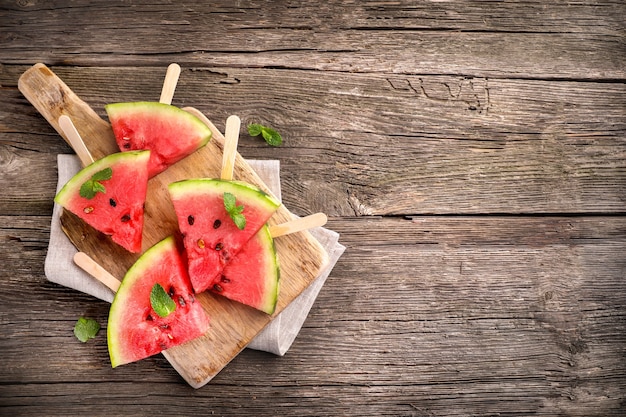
x,y
97,187
229,202
254,129
240,220
87,191
234,211
86,329
161,302
91,187
271,136
103,175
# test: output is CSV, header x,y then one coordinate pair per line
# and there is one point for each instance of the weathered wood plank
x,y
513,39
461,316
436,144
601,17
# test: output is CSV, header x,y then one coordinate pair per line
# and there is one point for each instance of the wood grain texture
x,y
470,154
400,37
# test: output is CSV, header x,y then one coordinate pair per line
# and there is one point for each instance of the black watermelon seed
x,y
225,279
181,301
171,291
125,218
219,246
149,318
190,220
126,145
112,202
218,288
217,223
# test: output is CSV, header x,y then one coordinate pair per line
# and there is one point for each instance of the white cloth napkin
x,y
276,338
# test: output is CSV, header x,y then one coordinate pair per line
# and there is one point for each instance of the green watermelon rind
x,y
72,187
117,109
272,281
243,190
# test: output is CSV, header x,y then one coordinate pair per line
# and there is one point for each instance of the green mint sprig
x,y
86,329
93,186
161,302
234,211
271,136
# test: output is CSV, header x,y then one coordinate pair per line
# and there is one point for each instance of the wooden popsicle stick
x,y
298,225
169,84
231,139
92,268
67,126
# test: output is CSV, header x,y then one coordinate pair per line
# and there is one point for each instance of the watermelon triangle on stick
x,y
218,216
169,132
109,195
210,234
154,308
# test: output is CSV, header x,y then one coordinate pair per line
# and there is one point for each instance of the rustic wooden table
x,y
472,155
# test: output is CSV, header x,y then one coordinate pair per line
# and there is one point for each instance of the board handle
x,y
53,98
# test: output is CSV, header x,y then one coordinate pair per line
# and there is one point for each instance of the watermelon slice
x,y
210,234
109,195
169,132
252,276
135,329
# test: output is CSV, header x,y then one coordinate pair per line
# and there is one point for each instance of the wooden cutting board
x,y
233,325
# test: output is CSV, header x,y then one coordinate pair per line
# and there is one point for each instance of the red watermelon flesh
x,y
169,132
135,330
252,276
117,208
210,235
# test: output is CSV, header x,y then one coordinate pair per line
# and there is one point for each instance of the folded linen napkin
x,y
276,338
